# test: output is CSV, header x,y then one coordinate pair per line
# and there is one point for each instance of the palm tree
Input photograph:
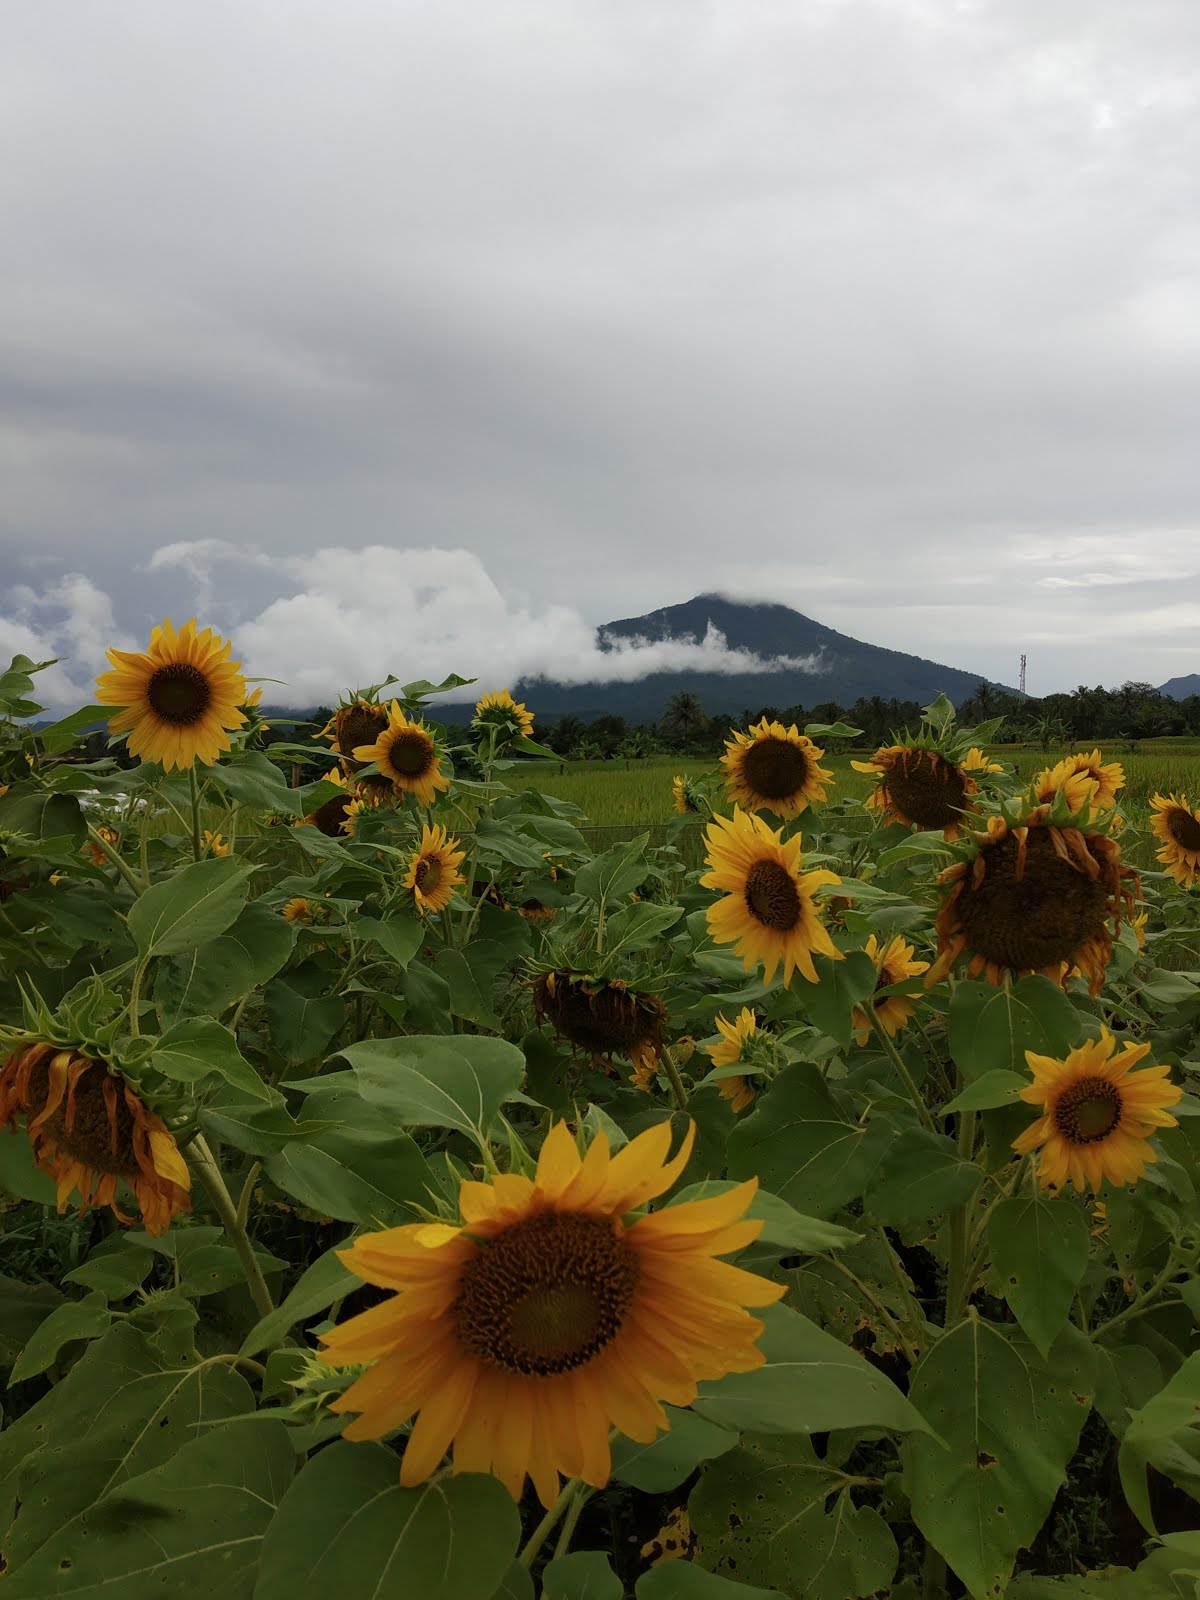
x,y
685,718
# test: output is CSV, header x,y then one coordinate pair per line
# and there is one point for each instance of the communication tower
x,y
1022,684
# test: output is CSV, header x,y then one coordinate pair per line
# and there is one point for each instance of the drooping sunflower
x,y
773,768
1178,826
181,697
97,856
603,1016
433,873
919,788
298,909
1097,1114
214,844
1034,898
894,963
499,710
550,1315
88,1130
359,721
406,753
768,912
740,1092
682,796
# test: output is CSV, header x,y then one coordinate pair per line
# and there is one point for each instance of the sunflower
x,y
433,873
359,722
1178,826
88,1130
1097,1114
214,844
1065,778
894,964
181,697
97,856
976,761
1034,898
918,787
682,796
740,1092
768,913
500,710
773,768
550,1315
298,909
603,1017
406,753
533,910
330,817
1107,776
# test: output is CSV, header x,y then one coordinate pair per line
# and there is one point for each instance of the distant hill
x,y
1181,688
847,668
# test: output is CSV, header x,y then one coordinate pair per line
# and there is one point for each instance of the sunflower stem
x,y
1143,1303
97,838
906,1076
958,1275
195,812
549,1522
567,1531
672,1072
881,1311
209,1173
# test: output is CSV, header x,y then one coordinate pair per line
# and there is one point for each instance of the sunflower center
x,y
547,1294
358,725
330,817
178,693
771,896
428,874
928,789
94,1127
1088,1111
775,768
1034,921
1183,828
411,754
601,1019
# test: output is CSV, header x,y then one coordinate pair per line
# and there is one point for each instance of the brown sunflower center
x,y
775,768
179,693
358,725
330,817
603,1017
547,1294
410,754
929,790
94,1127
1183,828
771,896
428,874
1089,1110
1034,921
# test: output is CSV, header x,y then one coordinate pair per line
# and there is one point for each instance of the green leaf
x,y
40,814
197,1049
637,927
1164,1433
831,730
841,985
73,1319
760,1512
198,903
996,1088
811,1382
192,1526
123,1409
1039,1256
202,981
253,779
668,1460
19,1176
347,1527
23,1308
400,937
615,874
437,1082
320,1285
991,1028
302,1025
1008,1424
256,1129
116,1268
680,1580
583,1575
61,735
471,975
517,1584
781,1224
805,1148
921,1175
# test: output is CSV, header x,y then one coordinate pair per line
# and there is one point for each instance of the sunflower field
x,y
408,1210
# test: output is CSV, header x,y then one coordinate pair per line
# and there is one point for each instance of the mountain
x,y
846,667
1181,688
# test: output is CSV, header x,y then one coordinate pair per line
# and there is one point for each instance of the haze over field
x,y
425,338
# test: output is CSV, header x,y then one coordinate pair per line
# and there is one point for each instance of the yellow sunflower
x,y
214,844
919,788
1034,898
740,1092
894,964
88,1130
976,761
681,792
1080,788
332,817
500,710
433,873
94,853
1097,1114
181,697
1178,826
359,722
298,909
773,768
768,913
551,1315
406,753
1107,776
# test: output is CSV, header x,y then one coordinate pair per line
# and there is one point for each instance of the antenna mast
x,y
1022,672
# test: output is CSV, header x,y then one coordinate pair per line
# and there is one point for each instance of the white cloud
x,y
72,620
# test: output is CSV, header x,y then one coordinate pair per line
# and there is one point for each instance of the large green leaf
x,y
191,1526
921,1174
399,937
438,1082
666,1461
73,1319
200,1048
40,814
760,1512
804,1147
302,1025
992,1027
680,1580
347,1527
840,986
472,976
637,927
253,779
1039,1256
320,1285
23,1308
1007,1423
583,1575
1164,1433
615,874
811,1382
189,909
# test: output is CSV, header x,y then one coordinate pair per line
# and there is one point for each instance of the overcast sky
x,y
387,334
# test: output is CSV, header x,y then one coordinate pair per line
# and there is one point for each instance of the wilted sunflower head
x,y
918,787
330,817
683,795
508,716
357,721
406,753
894,964
181,696
1034,897
773,768
1178,826
88,1131
604,1017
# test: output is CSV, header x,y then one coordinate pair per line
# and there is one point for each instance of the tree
x,y
685,719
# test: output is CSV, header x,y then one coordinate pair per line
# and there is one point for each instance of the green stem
x,y
933,1575
672,1072
97,838
1143,1303
915,1315
569,1521
549,1522
243,1206
135,999
195,813
881,1310
958,1277
209,1173
906,1076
